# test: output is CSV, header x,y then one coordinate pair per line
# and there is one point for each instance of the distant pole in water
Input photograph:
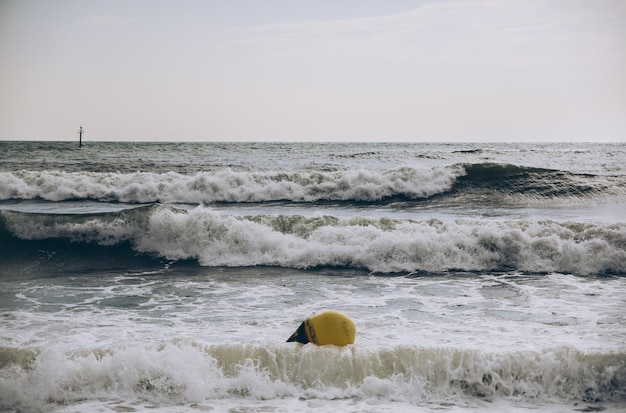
x,y
80,137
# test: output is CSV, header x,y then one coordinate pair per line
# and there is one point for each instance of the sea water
x,y
167,276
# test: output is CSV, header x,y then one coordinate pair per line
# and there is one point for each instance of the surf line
x,y
329,327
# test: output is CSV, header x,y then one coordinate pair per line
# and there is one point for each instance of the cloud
x,y
451,68
453,31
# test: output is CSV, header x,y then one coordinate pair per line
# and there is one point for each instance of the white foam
x,y
228,185
215,337
377,244
261,305
187,372
387,245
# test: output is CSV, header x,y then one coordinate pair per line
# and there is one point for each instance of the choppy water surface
x,y
167,277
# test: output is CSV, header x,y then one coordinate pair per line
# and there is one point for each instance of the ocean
x,y
167,277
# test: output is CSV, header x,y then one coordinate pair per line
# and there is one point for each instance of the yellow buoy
x,y
329,327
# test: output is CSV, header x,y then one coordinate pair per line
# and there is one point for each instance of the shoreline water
x,y
137,278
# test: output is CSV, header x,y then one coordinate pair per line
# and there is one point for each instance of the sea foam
x,y
383,245
228,185
179,372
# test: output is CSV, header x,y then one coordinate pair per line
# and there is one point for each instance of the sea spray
x,y
187,372
380,245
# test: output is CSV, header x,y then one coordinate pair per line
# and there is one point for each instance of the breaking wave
x,y
492,181
182,371
380,245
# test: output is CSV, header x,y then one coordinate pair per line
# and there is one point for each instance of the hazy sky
x,y
319,70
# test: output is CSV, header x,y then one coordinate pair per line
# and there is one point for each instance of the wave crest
x,y
188,372
381,245
360,185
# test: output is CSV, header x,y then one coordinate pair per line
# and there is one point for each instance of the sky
x,y
323,70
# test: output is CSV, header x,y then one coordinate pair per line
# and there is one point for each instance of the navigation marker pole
x,y
80,137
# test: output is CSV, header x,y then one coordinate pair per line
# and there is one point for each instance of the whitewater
x,y
168,276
